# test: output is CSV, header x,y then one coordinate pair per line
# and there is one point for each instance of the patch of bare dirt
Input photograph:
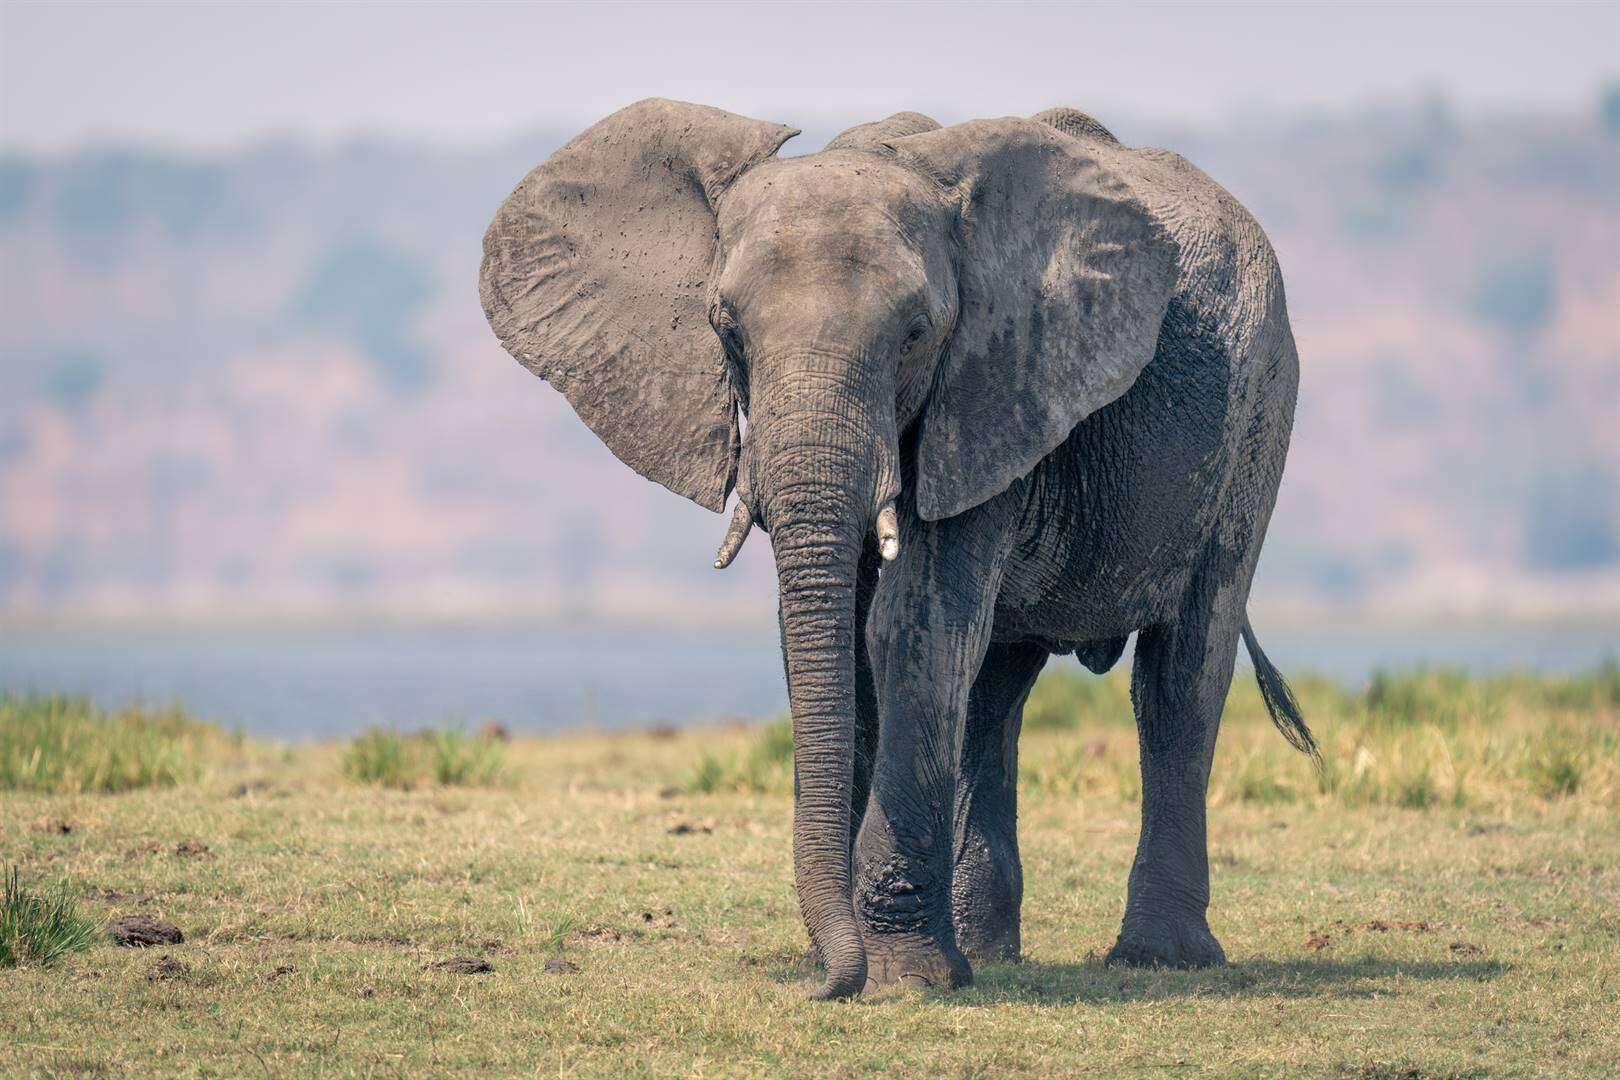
x,y
143,931
688,828
165,968
659,920
461,965
1321,938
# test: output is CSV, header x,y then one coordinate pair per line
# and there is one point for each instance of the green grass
x,y
765,764
64,744
39,927
446,758
1442,900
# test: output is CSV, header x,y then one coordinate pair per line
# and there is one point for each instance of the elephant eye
x,y
725,328
919,327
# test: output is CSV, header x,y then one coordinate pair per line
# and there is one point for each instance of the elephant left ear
x,y
1065,278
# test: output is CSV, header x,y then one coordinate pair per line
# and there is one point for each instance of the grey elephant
x,y
1012,390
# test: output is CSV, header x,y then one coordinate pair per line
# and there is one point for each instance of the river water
x,y
333,681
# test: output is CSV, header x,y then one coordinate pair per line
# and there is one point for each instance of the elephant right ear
x,y
594,278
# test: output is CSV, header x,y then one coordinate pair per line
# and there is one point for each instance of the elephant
x,y
996,391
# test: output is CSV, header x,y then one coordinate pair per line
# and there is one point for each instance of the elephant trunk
x,y
816,569
816,473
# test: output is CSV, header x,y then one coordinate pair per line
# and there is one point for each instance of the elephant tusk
x,y
741,522
888,534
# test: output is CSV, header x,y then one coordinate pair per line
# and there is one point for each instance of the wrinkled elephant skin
x,y
1012,389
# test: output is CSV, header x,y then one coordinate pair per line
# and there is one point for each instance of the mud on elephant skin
x,y
1012,389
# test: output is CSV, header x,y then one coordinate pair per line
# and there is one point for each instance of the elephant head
x,y
970,293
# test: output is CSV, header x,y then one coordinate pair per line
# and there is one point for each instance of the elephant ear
x,y
1065,277
878,133
594,278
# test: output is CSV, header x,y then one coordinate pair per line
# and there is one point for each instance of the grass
x,y
62,744
1442,900
39,927
447,758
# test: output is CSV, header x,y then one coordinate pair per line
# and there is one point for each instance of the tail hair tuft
x,y
1280,700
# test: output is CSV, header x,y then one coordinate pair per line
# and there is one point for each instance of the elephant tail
x,y
1279,699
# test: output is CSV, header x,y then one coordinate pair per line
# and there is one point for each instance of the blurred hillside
x,y
262,383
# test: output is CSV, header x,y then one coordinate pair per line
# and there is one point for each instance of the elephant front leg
x,y
1179,683
928,635
987,882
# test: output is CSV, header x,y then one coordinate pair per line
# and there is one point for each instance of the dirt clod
x,y
670,793
662,920
167,967
461,965
193,849
1384,926
143,931
561,965
1318,941
1465,948
687,828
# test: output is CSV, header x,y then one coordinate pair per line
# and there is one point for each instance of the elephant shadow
x,y
1036,982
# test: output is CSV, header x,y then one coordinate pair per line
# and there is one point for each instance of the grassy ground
x,y
1443,900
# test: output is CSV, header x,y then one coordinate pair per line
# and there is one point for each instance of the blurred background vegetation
x,y
247,393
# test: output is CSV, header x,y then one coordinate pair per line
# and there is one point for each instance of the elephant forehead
x,y
855,192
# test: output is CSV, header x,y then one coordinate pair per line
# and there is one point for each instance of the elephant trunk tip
x,y
742,520
888,533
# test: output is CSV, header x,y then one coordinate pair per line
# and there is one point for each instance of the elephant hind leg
x,y
987,885
1178,685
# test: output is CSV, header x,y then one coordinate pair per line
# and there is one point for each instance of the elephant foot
x,y
986,895
915,966
996,943
1166,943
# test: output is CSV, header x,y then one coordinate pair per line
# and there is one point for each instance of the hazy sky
x,y
208,76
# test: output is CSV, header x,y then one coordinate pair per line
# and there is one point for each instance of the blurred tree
x,y
73,378
1517,294
108,193
1609,108
371,293
1572,519
18,178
